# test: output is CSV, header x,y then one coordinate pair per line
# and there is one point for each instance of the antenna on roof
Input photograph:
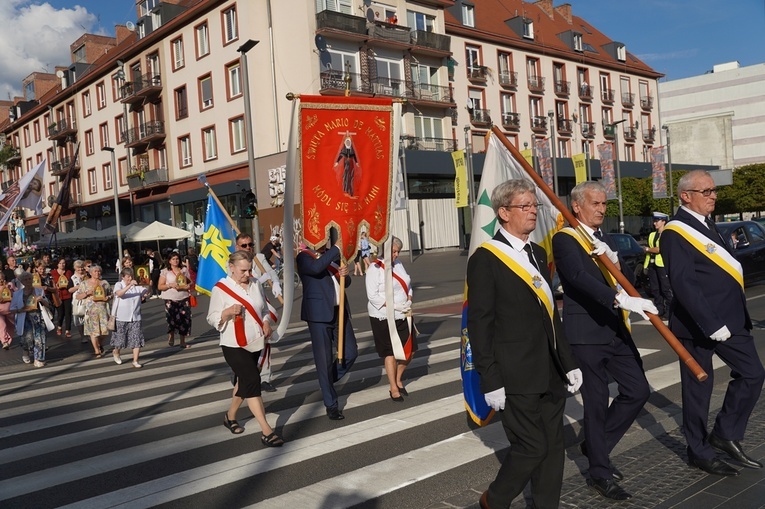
x,y
130,25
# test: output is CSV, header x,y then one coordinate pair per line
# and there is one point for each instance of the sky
x,y
679,38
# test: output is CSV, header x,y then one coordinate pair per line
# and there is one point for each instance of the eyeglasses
x,y
251,244
705,192
525,207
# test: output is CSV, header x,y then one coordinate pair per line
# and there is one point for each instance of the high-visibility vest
x,y
653,241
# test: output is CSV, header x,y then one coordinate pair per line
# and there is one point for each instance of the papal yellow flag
x,y
460,179
580,167
528,156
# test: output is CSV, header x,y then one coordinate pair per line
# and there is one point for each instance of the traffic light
x,y
250,205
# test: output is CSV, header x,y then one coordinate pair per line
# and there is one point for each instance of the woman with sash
x,y
378,317
175,283
62,280
238,311
7,328
95,291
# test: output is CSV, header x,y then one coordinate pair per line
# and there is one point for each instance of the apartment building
x,y
166,93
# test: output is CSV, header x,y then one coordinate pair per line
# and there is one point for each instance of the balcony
x,y
61,167
155,177
630,133
429,144
480,118
390,33
607,95
649,135
565,126
539,124
628,99
341,26
586,92
508,79
5,185
13,156
646,102
562,87
511,121
59,131
588,129
478,74
141,137
536,84
145,88
431,94
430,43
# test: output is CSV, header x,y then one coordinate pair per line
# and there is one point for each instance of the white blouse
x,y
375,283
220,300
173,293
129,305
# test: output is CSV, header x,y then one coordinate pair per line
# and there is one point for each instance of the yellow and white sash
x,y
610,279
519,263
709,248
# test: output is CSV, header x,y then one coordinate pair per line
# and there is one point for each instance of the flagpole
x,y
236,229
670,338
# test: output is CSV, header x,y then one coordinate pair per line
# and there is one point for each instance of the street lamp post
x,y
115,182
551,116
669,169
618,173
243,49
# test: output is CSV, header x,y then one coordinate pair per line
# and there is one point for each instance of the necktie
x,y
533,262
711,225
598,234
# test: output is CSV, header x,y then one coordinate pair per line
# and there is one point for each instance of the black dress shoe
x,y
484,500
615,472
398,398
267,387
608,488
733,449
402,391
714,467
335,414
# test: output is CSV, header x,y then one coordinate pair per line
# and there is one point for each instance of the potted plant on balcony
x,y
135,179
7,153
52,128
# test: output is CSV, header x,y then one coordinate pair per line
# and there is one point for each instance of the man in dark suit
x,y
597,328
321,293
519,350
709,316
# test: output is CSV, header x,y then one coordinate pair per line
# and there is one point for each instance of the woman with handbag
x,y
175,284
30,327
61,278
95,292
78,306
238,311
126,312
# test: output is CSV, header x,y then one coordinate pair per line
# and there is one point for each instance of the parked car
x,y
748,247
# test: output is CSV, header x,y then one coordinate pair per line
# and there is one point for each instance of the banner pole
x,y
670,338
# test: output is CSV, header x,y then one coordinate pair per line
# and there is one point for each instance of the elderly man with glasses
x,y
709,316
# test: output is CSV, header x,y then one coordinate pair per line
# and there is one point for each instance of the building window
x,y
36,127
122,170
578,43
89,142
119,125
117,81
234,76
210,147
343,6
230,30
92,183
178,61
528,29
86,111
184,151
468,15
236,127
181,103
79,55
203,40
420,21
103,131
107,172
205,93
101,95
473,59
27,139
621,53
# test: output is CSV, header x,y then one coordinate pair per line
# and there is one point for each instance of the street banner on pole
x,y
606,152
500,165
545,161
580,167
659,172
528,156
348,153
460,179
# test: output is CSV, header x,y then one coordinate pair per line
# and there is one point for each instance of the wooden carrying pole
x,y
670,338
341,316
236,230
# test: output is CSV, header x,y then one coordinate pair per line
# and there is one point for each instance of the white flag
x,y
26,192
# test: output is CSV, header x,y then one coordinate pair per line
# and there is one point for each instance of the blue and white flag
x,y
218,242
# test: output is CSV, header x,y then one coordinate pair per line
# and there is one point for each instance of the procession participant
x,y
654,266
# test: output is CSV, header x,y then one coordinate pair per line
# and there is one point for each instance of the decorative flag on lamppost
x,y
528,156
545,161
659,172
580,167
460,179
606,152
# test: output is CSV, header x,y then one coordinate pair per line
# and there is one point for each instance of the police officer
x,y
654,266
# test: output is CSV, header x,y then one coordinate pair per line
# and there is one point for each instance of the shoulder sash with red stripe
x,y
398,278
241,337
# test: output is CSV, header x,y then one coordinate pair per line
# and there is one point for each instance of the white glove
x,y
636,305
276,288
599,247
574,380
722,334
496,399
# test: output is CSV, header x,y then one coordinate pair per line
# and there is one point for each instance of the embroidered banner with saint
x,y
347,155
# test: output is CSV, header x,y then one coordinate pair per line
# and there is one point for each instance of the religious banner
x,y
545,161
606,152
460,179
659,172
580,167
348,152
